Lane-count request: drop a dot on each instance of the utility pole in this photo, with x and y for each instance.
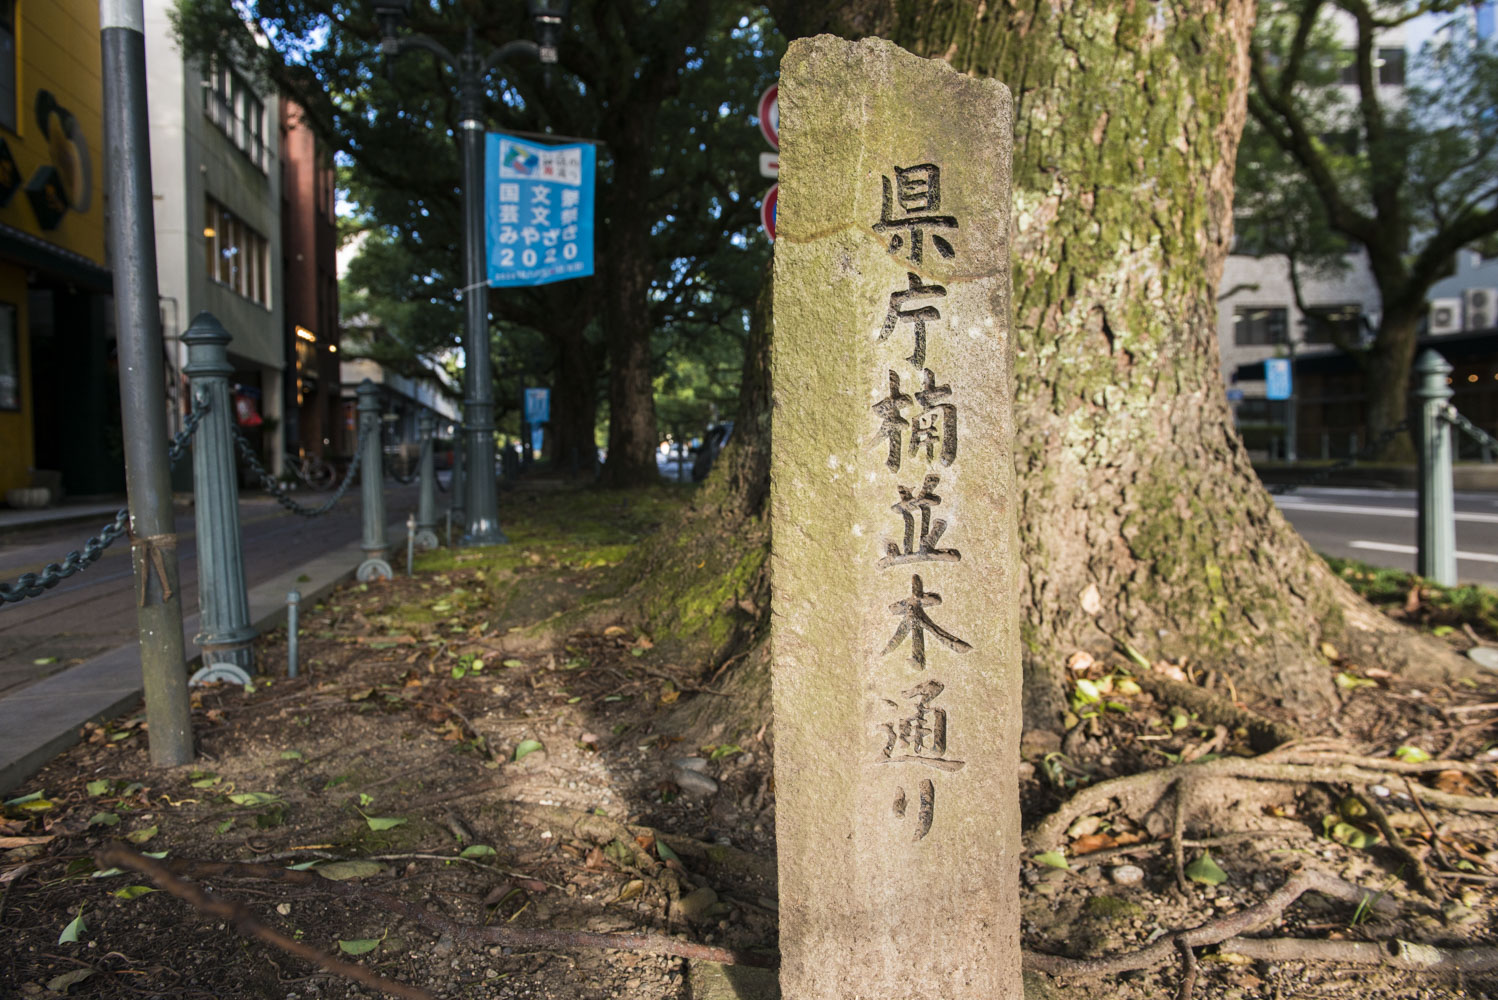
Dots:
(132, 243)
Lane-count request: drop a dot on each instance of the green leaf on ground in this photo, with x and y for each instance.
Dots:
(43, 661)
(1052, 859)
(1351, 682)
(207, 782)
(378, 823)
(726, 750)
(304, 865)
(61, 984)
(527, 747)
(339, 871)
(365, 799)
(358, 946)
(226, 825)
(132, 892)
(75, 927)
(512, 663)
(1412, 755)
(97, 788)
(665, 853)
(1206, 871)
(293, 755)
(478, 851)
(253, 798)
(141, 836)
(104, 819)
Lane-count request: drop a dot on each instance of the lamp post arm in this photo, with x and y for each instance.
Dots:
(405, 43)
(509, 52)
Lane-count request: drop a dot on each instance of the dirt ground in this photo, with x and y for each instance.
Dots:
(489, 780)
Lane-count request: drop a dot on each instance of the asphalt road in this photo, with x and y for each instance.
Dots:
(1378, 527)
(94, 611)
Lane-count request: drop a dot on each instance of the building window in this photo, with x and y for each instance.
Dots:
(10, 359)
(8, 86)
(1391, 67)
(232, 104)
(236, 255)
(1330, 324)
(1259, 325)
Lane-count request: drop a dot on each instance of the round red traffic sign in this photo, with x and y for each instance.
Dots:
(769, 115)
(767, 210)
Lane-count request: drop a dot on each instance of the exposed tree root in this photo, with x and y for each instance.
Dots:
(1419, 873)
(1394, 953)
(164, 874)
(1049, 833)
(1245, 921)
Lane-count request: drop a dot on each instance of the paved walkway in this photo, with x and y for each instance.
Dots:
(42, 715)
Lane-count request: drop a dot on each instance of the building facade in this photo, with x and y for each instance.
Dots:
(215, 151)
(59, 387)
(309, 244)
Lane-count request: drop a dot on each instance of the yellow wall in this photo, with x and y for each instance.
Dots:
(57, 50)
(57, 47)
(17, 455)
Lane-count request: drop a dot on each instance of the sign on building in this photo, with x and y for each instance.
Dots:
(538, 211)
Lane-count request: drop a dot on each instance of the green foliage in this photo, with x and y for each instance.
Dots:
(1333, 159)
(1469, 604)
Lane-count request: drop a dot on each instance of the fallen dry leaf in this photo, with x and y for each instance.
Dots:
(614, 630)
(1455, 782)
(1092, 842)
(1092, 601)
(8, 842)
(1079, 661)
(1330, 652)
(596, 861)
(1170, 670)
(1412, 600)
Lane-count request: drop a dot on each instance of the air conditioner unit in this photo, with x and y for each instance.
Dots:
(1445, 316)
(1481, 308)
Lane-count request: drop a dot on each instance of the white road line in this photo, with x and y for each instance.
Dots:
(1288, 504)
(1410, 550)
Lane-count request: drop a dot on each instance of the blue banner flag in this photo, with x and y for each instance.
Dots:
(538, 211)
(1277, 378)
(537, 406)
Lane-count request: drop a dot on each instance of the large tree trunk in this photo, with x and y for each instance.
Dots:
(1388, 374)
(1142, 521)
(574, 414)
(627, 268)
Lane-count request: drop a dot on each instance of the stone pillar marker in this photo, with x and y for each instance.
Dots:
(895, 559)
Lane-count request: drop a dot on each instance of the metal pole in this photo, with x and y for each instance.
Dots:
(1326, 446)
(1437, 515)
(410, 545)
(371, 487)
(293, 603)
(223, 602)
(1352, 447)
(457, 495)
(132, 246)
(426, 504)
(1292, 408)
(478, 379)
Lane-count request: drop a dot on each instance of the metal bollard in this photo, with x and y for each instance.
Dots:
(449, 527)
(371, 487)
(223, 602)
(411, 544)
(1326, 446)
(1352, 447)
(293, 602)
(457, 496)
(426, 504)
(1437, 515)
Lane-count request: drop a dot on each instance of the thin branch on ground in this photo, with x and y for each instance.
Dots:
(119, 856)
(1394, 953)
(1419, 874)
(1245, 921)
(1188, 971)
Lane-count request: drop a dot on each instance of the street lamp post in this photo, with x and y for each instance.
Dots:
(482, 506)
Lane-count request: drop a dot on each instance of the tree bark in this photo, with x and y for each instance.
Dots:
(1388, 374)
(574, 414)
(627, 268)
(1137, 490)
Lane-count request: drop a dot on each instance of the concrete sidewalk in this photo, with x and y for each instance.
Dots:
(99, 513)
(41, 720)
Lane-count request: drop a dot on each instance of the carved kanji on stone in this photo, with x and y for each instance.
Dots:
(915, 623)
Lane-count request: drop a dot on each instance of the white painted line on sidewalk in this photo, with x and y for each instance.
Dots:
(1288, 504)
(1410, 550)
